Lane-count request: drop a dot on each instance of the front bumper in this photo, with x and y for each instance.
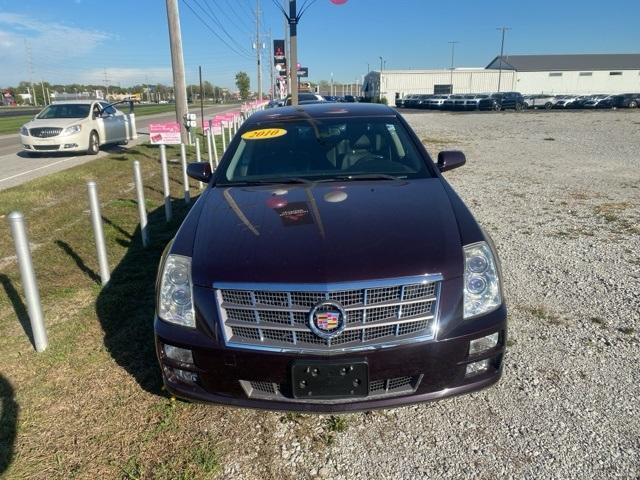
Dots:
(438, 370)
(78, 142)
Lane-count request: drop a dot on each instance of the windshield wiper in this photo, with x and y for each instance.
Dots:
(271, 181)
(366, 176)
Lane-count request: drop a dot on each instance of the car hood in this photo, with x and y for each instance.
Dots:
(53, 122)
(327, 232)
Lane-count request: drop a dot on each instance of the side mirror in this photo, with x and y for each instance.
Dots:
(450, 159)
(199, 171)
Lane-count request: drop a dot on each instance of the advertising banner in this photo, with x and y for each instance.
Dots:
(165, 133)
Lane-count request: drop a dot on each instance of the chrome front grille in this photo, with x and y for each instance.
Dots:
(378, 313)
(45, 132)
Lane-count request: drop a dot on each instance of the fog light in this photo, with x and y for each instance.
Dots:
(185, 376)
(178, 354)
(176, 375)
(483, 344)
(477, 368)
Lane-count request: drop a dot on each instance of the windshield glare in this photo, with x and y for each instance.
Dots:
(325, 149)
(65, 111)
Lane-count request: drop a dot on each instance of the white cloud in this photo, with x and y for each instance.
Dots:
(51, 44)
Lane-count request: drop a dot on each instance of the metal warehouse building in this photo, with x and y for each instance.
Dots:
(553, 74)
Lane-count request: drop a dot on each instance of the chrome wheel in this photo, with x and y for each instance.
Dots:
(94, 144)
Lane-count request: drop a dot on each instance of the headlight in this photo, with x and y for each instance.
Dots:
(24, 131)
(71, 130)
(175, 303)
(481, 281)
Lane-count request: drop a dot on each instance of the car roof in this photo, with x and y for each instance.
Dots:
(82, 102)
(322, 110)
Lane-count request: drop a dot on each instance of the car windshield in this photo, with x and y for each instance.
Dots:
(324, 150)
(66, 110)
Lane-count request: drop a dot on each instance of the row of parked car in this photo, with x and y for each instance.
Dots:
(516, 101)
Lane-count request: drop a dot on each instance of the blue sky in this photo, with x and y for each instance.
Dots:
(77, 40)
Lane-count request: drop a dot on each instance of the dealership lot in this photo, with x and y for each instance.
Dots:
(560, 194)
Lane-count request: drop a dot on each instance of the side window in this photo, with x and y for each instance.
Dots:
(108, 108)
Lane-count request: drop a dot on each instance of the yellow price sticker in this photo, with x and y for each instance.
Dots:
(264, 134)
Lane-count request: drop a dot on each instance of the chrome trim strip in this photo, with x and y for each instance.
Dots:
(332, 351)
(329, 287)
(304, 328)
(299, 309)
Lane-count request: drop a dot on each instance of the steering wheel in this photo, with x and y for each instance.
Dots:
(367, 159)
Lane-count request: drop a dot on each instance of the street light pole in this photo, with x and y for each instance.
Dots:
(380, 80)
(293, 46)
(453, 50)
(258, 50)
(504, 29)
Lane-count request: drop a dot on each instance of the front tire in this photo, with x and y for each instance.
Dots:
(497, 107)
(633, 104)
(94, 143)
(548, 106)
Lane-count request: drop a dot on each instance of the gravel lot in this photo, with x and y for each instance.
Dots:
(560, 195)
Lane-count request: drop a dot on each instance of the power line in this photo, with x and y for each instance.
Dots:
(211, 14)
(242, 54)
(234, 13)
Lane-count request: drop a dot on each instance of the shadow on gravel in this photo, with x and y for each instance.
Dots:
(19, 308)
(8, 423)
(126, 305)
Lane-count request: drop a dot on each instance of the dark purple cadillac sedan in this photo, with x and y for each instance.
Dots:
(328, 266)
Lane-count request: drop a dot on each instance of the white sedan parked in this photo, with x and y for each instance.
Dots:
(76, 126)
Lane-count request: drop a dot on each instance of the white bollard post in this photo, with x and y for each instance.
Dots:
(224, 144)
(142, 208)
(165, 183)
(132, 126)
(185, 178)
(210, 146)
(98, 233)
(215, 152)
(189, 137)
(29, 284)
(199, 159)
(198, 152)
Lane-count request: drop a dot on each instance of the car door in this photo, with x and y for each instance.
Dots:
(98, 121)
(115, 124)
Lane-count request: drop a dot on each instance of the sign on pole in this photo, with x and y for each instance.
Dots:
(165, 133)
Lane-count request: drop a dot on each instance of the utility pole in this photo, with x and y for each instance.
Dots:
(44, 95)
(201, 99)
(106, 83)
(270, 63)
(453, 49)
(177, 64)
(504, 29)
(27, 46)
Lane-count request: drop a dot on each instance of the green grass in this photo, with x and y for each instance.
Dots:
(12, 124)
(95, 396)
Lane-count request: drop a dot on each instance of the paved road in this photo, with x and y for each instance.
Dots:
(17, 168)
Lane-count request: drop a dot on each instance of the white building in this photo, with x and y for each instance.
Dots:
(553, 74)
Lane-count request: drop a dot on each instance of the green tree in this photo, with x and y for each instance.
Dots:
(243, 83)
(207, 89)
